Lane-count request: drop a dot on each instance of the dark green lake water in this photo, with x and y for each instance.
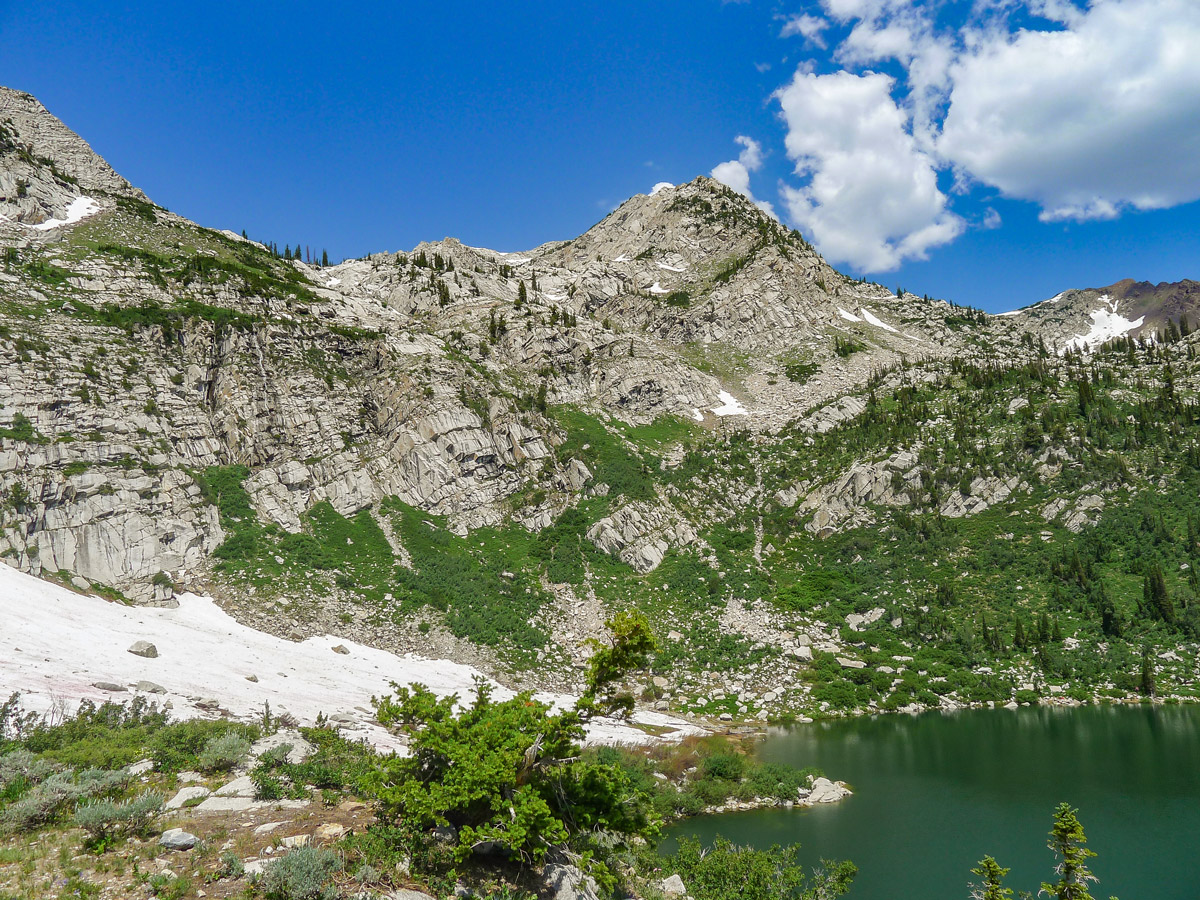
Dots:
(935, 793)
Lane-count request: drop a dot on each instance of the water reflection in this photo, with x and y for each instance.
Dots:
(936, 792)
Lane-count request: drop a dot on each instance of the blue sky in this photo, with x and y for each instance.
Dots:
(992, 152)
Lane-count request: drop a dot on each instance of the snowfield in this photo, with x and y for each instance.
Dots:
(872, 319)
(56, 645)
(730, 405)
(848, 316)
(1106, 325)
(80, 209)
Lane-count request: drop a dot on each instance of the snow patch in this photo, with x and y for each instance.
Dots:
(848, 316)
(876, 321)
(671, 268)
(697, 415)
(622, 258)
(657, 288)
(80, 209)
(516, 260)
(730, 405)
(1106, 325)
(1012, 312)
(333, 282)
(56, 644)
(661, 186)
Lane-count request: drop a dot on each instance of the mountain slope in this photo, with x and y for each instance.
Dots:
(819, 490)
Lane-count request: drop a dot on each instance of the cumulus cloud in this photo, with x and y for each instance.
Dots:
(1089, 108)
(1087, 120)
(735, 173)
(871, 197)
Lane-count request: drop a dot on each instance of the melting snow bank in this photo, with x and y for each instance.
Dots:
(80, 209)
(1106, 325)
(876, 321)
(657, 288)
(730, 405)
(848, 316)
(57, 645)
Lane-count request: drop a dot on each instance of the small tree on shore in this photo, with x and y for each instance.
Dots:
(509, 775)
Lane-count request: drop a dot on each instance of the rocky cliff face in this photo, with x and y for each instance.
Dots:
(179, 407)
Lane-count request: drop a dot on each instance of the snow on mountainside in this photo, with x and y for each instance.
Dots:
(59, 646)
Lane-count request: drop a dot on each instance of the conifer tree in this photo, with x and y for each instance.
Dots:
(324, 258)
(1067, 841)
(1146, 683)
(991, 887)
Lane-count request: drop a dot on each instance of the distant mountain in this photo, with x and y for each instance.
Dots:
(1091, 316)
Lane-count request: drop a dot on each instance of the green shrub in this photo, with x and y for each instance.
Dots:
(104, 819)
(726, 766)
(725, 871)
(48, 801)
(231, 865)
(179, 746)
(303, 874)
(223, 752)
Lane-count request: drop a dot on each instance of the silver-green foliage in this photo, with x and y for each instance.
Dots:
(23, 765)
(57, 793)
(303, 874)
(108, 817)
(223, 752)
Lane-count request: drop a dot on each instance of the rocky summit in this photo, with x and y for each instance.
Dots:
(829, 496)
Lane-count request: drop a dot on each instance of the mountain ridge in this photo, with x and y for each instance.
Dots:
(482, 455)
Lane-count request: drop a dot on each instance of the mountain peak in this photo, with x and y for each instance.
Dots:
(48, 173)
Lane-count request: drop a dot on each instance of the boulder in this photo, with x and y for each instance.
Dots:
(673, 886)
(149, 687)
(178, 839)
(184, 795)
(144, 648)
(563, 881)
(826, 791)
(329, 833)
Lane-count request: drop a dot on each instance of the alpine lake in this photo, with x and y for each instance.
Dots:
(935, 793)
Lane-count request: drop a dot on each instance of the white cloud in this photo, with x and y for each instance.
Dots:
(808, 27)
(1089, 108)
(871, 197)
(735, 173)
(1087, 120)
